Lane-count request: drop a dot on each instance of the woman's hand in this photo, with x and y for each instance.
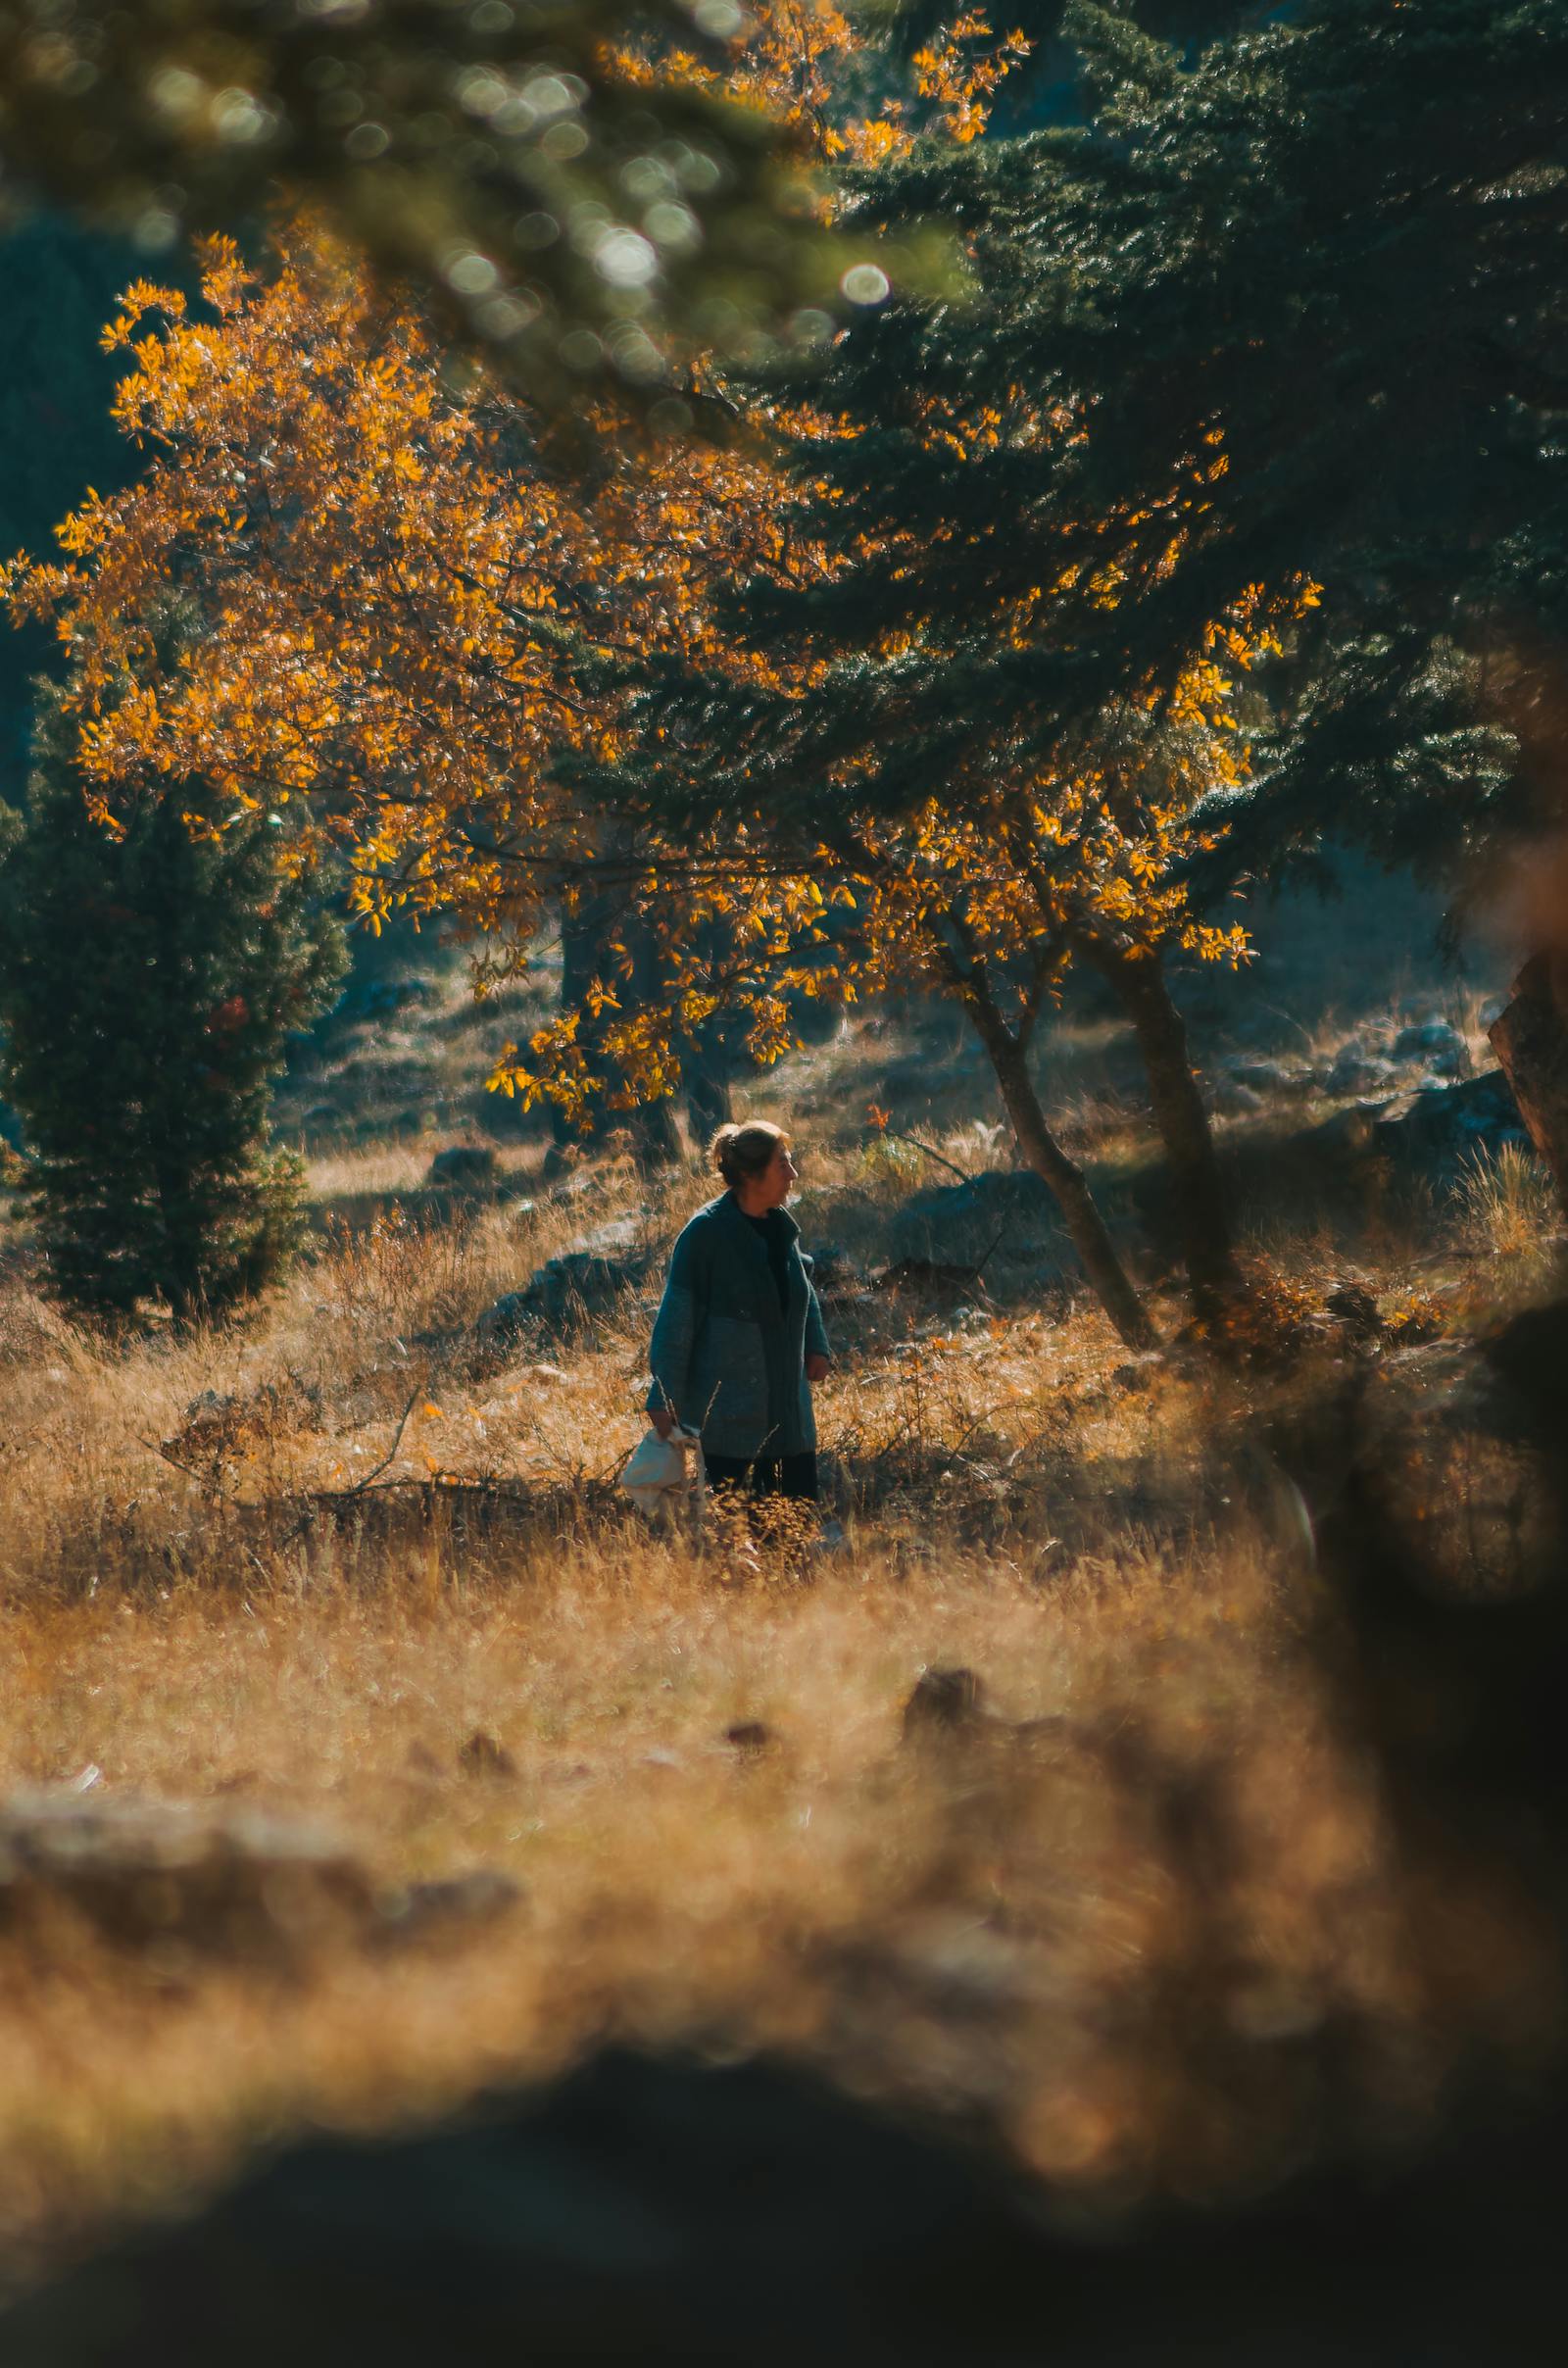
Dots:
(664, 1422)
(818, 1367)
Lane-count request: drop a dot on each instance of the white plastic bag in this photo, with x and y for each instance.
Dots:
(659, 1469)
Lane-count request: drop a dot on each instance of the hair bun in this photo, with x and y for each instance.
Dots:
(746, 1150)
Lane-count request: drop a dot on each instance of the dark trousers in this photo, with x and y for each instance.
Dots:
(767, 1476)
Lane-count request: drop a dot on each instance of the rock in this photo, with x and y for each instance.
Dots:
(1530, 1039)
(1436, 1131)
(449, 1909)
(1437, 1043)
(580, 1284)
(1345, 1136)
(463, 1167)
(943, 1701)
(482, 1756)
(834, 1273)
(615, 1238)
(1441, 1129)
(1353, 1071)
(561, 1297)
(1233, 1100)
(750, 2214)
(506, 1323)
(189, 1879)
(1007, 1209)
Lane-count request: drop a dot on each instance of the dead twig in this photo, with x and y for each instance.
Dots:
(391, 1456)
(940, 1158)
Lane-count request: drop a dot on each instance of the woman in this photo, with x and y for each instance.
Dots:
(738, 1340)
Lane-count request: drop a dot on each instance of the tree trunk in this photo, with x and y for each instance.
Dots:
(1085, 1227)
(705, 1078)
(1530, 1038)
(1203, 1214)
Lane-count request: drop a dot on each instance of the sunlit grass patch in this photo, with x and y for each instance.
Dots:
(1508, 1206)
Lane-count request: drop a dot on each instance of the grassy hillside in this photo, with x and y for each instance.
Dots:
(355, 1567)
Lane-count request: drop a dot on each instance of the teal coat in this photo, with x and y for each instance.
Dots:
(726, 1360)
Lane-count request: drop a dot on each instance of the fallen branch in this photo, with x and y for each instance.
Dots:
(940, 1158)
(391, 1456)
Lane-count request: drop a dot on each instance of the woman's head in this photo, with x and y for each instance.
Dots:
(754, 1160)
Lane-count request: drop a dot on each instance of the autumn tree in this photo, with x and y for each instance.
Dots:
(988, 894)
(411, 608)
(437, 645)
(149, 975)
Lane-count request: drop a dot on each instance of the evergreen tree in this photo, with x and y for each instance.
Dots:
(1298, 298)
(1281, 307)
(149, 978)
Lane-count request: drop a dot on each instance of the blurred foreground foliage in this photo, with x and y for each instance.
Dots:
(510, 159)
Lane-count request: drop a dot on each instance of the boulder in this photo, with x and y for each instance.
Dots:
(1530, 1039)
(617, 1237)
(178, 1883)
(746, 2212)
(1441, 1130)
(1437, 1131)
(507, 1323)
(1437, 1044)
(834, 1273)
(1355, 1071)
(561, 1298)
(463, 1167)
(187, 1878)
(1233, 1100)
(1012, 1208)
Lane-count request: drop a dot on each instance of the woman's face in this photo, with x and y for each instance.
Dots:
(774, 1184)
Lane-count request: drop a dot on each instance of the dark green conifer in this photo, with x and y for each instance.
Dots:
(149, 981)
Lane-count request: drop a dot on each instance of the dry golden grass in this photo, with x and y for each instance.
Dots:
(994, 1927)
(1508, 1207)
(1129, 1924)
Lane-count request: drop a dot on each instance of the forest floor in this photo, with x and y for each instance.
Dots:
(336, 1571)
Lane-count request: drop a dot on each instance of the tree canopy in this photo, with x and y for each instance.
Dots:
(984, 626)
(569, 208)
(1298, 295)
